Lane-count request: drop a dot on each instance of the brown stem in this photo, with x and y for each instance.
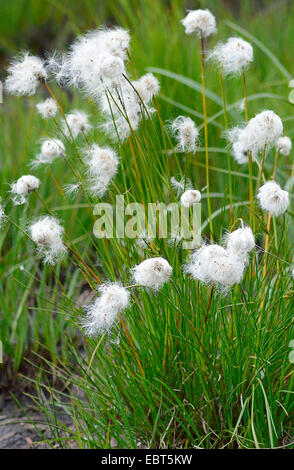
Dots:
(209, 303)
(54, 97)
(83, 263)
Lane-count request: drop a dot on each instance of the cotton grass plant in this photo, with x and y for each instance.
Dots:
(179, 349)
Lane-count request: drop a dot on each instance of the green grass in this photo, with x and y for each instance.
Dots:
(226, 383)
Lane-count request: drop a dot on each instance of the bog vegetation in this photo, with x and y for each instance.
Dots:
(168, 347)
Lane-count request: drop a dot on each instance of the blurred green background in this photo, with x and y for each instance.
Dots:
(158, 40)
(42, 24)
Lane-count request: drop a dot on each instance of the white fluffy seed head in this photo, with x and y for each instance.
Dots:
(45, 231)
(240, 241)
(201, 22)
(284, 145)
(102, 160)
(96, 65)
(54, 64)
(264, 129)
(50, 150)
(111, 68)
(96, 60)
(190, 197)
(72, 189)
(102, 313)
(78, 122)
(198, 265)
(25, 74)
(240, 152)
(116, 41)
(152, 272)
(47, 234)
(233, 57)
(186, 133)
(215, 265)
(24, 185)
(180, 186)
(102, 164)
(81, 65)
(47, 108)
(226, 270)
(268, 125)
(147, 86)
(273, 199)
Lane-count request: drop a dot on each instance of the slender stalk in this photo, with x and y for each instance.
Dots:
(83, 263)
(163, 134)
(245, 96)
(221, 82)
(18, 227)
(252, 220)
(268, 227)
(209, 304)
(206, 135)
(250, 162)
(132, 345)
(266, 246)
(292, 174)
(261, 168)
(134, 159)
(278, 260)
(54, 98)
(275, 165)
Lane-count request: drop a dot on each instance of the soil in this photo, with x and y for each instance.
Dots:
(16, 432)
(16, 428)
(18, 411)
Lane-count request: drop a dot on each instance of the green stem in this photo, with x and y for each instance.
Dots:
(251, 218)
(18, 227)
(276, 164)
(206, 135)
(221, 82)
(245, 96)
(261, 169)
